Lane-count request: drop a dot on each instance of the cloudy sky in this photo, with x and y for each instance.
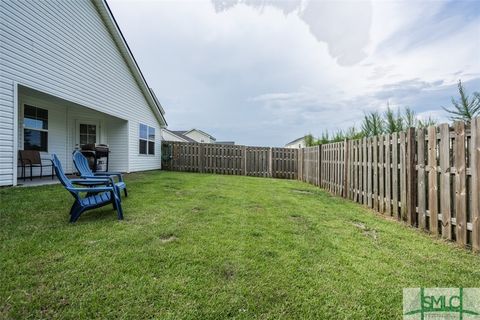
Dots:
(266, 72)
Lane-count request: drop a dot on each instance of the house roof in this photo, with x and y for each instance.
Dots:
(116, 33)
(296, 140)
(180, 134)
(202, 132)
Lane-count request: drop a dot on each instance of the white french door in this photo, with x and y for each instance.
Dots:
(87, 132)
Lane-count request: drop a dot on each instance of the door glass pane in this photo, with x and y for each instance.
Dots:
(92, 129)
(88, 134)
(83, 139)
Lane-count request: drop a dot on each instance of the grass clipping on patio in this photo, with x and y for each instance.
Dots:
(196, 246)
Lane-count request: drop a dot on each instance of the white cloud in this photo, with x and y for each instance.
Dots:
(264, 72)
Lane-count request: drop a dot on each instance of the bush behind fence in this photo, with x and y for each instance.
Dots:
(428, 178)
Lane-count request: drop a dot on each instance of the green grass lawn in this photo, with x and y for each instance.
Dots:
(196, 246)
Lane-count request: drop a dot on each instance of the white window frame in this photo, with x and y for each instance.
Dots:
(36, 129)
(146, 140)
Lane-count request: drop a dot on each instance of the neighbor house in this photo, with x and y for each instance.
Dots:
(68, 77)
(297, 143)
(193, 135)
(169, 135)
(200, 136)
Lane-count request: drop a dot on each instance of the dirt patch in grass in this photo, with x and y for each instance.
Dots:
(372, 233)
(228, 272)
(166, 238)
(196, 209)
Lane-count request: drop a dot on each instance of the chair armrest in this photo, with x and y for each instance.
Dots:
(91, 182)
(107, 174)
(97, 189)
(99, 177)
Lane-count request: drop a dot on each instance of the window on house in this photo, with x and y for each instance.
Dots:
(35, 128)
(147, 140)
(88, 134)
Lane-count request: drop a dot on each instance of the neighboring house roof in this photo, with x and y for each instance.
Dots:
(224, 142)
(202, 132)
(296, 140)
(116, 33)
(180, 134)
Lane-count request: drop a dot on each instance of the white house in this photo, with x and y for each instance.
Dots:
(193, 135)
(199, 136)
(67, 77)
(297, 143)
(169, 135)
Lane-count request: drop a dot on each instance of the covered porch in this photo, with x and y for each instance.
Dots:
(51, 125)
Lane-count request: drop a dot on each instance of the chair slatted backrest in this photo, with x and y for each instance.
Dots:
(81, 163)
(62, 177)
(33, 156)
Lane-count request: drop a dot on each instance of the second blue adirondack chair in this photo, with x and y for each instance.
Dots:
(100, 193)
(81, 163)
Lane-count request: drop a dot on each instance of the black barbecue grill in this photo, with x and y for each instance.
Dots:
(94, 152)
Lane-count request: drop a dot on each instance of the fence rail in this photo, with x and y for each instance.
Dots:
(428, 178)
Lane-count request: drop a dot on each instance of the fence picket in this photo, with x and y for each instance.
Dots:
(445, 169)
(421, 187)
(432, 179)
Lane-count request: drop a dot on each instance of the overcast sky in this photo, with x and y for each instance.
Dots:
(266, 72)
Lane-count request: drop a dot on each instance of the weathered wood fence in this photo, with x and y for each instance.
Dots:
(428, 178)
(231, 159)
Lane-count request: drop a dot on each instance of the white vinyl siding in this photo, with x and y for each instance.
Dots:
(6, 130)
(63, 48)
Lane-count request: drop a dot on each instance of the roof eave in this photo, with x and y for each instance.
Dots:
(116, 33)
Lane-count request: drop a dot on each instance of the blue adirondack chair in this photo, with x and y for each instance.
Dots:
(100, 193)
(81, 163)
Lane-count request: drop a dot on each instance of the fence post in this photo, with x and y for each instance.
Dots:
(345, 167)
(319, 165)
(201, 158)
(270, 162)
(475, 170)
(411, 178)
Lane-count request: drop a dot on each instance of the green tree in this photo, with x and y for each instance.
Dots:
(426, 123)
(372, 124)
(410, 118)
(309, 140)
(325, 137)
(465, 108)
(338, 136)
(393, 122)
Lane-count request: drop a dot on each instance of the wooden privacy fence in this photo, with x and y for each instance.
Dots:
(230, 159)
(428, 178)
